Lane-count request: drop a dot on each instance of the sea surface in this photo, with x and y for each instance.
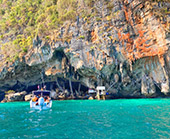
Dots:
(76, 119)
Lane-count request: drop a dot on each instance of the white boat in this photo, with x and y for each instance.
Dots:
(41, 104)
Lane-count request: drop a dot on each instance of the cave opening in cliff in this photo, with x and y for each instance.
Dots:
(60, 84)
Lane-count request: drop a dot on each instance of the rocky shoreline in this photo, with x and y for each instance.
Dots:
(24, 96)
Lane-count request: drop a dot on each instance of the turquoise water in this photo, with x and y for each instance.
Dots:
(75, 119)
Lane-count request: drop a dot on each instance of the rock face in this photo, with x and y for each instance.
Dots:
(15, 97)
(147, 87)
(127, 51)
(54, 94)
(28, 97)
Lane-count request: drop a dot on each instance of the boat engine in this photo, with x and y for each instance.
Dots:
(41, 101)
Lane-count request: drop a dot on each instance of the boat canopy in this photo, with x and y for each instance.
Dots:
(43, 92)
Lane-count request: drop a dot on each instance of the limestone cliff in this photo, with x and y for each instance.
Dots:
(121, 44)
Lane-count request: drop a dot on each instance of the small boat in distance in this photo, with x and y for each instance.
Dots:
(41, 100)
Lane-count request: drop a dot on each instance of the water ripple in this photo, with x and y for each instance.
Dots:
(141, 118)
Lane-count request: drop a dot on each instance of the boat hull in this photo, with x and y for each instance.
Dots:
(39, 107)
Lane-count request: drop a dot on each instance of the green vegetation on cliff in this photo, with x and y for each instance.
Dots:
(22, 20)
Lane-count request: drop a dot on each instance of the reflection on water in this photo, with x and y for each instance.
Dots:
(141, 118)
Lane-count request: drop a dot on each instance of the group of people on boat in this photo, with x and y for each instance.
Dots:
(41, 99)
